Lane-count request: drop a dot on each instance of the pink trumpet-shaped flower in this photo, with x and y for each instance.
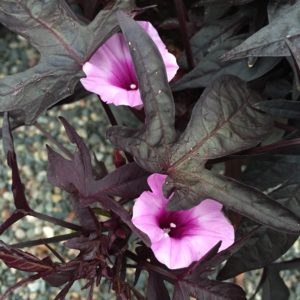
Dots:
(110, 72)
(180, 237)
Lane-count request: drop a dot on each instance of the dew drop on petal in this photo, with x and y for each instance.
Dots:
(133, 86)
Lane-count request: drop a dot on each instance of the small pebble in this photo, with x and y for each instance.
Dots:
(20, 234)
(48, 231)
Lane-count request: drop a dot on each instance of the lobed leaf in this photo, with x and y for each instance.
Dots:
(64, 44)
(76, 177)
(23, 261)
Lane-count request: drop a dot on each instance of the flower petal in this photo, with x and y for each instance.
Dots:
(168, 58)
(110, 71)
(206, 207)
(181, 237)
(174, 253)
(156, 182)
(149, 226)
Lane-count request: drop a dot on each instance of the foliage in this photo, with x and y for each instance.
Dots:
(210, 131)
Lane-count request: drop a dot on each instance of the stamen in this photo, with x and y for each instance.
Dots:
(133, 86)
(166, 231)
(172, 225)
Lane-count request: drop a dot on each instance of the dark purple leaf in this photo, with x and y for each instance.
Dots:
(17, 185)
(279, 176)
(211, 36)
(16, 216)
(64, 44)
(62, 294)
(128, 181)
(274, 287)
(24, 261)
(76, 177)
(85, 215)
(261, 249)
(76, 174)
(58, 278)
(156, 289)
(208, 290)
(90, 248)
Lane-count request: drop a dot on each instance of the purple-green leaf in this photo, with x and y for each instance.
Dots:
(271, 39)
(223, 121)
(150, 143)
(64, 43)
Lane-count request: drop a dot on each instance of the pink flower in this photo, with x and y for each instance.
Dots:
(180, 237)
(110, 72)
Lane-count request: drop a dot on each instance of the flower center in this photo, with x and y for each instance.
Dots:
(169, 229)
(133, 86)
